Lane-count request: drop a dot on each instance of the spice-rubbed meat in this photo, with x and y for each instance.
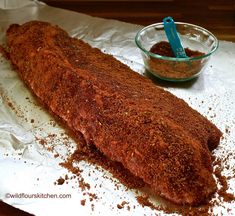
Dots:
(154, 134)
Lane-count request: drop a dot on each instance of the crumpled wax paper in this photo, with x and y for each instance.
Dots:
(27, 166)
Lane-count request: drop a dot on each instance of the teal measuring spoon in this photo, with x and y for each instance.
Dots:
(173, 37)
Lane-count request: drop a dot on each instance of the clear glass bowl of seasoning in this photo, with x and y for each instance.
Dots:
(199, 45)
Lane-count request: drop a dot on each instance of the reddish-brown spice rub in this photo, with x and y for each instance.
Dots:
(174, 69)
(154, 134)
(163, 48)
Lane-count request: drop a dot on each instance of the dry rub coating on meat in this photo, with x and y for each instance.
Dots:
(154, 134)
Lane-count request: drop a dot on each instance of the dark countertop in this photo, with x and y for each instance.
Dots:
(216, 16)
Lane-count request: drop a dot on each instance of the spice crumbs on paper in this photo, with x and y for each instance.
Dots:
(83, 202)
(60, 181)
(122, 205)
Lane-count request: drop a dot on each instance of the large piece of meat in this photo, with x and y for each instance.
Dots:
(154, 134)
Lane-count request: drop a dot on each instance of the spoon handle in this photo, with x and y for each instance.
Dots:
(173, 37)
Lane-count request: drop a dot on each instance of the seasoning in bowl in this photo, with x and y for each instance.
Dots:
(159, 59)
(163, 48)
(179, 69)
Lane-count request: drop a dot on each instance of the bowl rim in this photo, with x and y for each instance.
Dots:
(174, 58)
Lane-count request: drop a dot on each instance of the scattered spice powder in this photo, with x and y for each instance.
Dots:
(119, 206)
(227, 197)
(83, 185)
(83, 202)
(42, 141)
(56, 155)
(122, 205)
(92, 196)
(60, 181)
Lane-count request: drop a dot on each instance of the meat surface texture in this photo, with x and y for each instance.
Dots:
(154, 134)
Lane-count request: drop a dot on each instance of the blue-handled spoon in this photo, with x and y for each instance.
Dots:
(173, 38)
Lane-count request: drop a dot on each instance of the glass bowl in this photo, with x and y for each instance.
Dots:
(171, 68)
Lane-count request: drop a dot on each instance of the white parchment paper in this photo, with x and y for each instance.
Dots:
(28, 167)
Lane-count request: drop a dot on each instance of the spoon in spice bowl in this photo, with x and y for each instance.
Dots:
(173, 38)
(182, 64)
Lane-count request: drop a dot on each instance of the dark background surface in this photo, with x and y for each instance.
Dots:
(218, 16)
